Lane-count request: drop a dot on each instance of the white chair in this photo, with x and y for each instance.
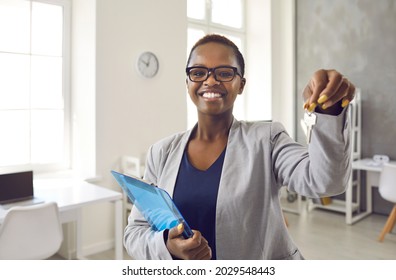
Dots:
(387, 189)
(31, 232)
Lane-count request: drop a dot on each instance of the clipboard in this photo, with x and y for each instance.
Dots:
(154, 203)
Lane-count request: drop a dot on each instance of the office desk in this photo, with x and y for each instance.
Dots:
(372, 179)
(71, 196)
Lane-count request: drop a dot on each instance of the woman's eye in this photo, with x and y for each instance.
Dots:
(198, 73)
(225, 74)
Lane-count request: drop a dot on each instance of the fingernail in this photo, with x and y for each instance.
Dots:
(306, 105)
(344, 103)
(322, 99)
(180, 227)
(324, 106)
(312, 107)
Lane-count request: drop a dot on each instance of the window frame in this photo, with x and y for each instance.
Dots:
(66, 92)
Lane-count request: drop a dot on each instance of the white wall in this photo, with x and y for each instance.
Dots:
(283, 63)
(117, 112)
(133, 112)
(83, 67)
(270, 67)
(83, 98)
(258, 60)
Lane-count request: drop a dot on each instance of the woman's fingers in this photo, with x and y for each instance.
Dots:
(326, 88)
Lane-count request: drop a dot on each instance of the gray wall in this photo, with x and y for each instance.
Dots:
(358, 38)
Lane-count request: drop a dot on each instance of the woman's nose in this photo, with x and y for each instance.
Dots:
(211, 80)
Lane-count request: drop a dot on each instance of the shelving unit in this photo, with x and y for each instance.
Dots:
(349, 206)
(336, 205)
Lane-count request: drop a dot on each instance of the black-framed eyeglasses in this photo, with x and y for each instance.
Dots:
(221, 73)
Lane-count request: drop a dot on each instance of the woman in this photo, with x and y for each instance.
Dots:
(225, 175)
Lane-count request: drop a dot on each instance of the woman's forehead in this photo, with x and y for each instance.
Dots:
(213, 52)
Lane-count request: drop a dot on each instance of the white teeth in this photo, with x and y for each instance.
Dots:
(211, 95)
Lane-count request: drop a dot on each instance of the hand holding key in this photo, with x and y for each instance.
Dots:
(328, 92)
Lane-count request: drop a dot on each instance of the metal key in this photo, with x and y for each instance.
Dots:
(310, 121)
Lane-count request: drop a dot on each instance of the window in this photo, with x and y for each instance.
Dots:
(34, 95)
(226, 17)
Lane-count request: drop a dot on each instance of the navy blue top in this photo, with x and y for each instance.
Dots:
(195, 195)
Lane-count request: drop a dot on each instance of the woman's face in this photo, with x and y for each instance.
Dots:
(212, 97)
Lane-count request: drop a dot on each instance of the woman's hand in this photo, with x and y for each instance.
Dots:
(328, 92)
(194, 248)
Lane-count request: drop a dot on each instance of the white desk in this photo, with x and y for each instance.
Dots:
(71, 196)
(372, 180)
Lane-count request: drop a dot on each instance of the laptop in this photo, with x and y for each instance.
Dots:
(154, 203)
(16, 189)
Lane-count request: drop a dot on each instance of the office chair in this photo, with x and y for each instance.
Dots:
(387, 190)
(31, 232)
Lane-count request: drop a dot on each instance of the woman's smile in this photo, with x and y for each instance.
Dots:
(212, 95)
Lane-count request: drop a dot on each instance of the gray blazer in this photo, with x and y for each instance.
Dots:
(260, 159)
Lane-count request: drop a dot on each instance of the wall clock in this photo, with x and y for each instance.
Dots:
(147, 64)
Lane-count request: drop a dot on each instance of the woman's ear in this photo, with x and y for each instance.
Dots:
(242, 85)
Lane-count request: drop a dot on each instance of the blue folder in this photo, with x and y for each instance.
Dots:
(154, 203)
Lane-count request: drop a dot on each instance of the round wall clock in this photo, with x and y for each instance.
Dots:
(147, 64)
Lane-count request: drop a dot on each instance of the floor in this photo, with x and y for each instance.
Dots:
(323, 235)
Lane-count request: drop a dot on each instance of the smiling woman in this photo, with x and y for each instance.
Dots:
(225, 175)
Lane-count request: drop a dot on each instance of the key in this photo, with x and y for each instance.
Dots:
(310, 121)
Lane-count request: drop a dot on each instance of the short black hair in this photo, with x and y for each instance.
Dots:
(216, 38)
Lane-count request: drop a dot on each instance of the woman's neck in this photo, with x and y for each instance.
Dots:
(211, 128)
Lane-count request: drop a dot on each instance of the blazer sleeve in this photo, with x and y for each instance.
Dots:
(322, 169)
(140, 241)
